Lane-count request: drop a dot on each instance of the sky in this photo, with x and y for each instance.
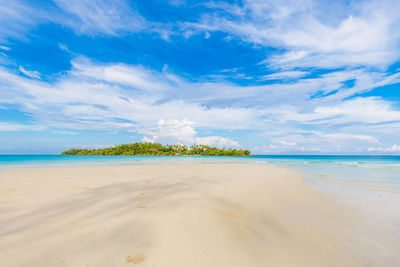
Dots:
(275, 77)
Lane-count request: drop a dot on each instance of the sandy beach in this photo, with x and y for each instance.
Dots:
(205, 214)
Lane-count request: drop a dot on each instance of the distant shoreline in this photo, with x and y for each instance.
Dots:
(157, 149)
(164, 155)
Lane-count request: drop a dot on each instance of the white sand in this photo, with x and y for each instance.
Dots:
(172, 215)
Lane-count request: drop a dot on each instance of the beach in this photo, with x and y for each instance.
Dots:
(180, 214)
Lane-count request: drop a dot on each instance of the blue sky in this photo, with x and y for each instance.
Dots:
(276, 77)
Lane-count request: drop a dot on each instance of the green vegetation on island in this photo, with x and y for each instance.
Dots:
(158, 149)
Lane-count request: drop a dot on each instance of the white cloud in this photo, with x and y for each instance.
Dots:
(217, 141)
(16, 19)
(29, 73)
(148, 139)
(90, 17)
(285, 143)
(346, 136)
(137, 76)
(171, 131)
(285, 75)
(84, 98)
(164, 107)
(355, 34)
(183, 131)
(11, 127)
(394, 148)
(315, 141)
(107, 17)
(368, 110)
(64, 132)
(357, 111)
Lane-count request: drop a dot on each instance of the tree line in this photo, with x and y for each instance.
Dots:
(159, 149)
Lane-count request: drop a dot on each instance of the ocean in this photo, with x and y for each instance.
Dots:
(371, 173)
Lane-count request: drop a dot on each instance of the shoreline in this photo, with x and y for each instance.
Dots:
(181, 214)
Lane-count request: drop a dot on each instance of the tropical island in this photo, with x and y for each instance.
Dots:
(145, 148)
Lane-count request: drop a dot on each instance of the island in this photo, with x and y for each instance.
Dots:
(146, 148)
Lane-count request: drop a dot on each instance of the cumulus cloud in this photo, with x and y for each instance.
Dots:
(183, 131)
(171, 131)
(217, 141)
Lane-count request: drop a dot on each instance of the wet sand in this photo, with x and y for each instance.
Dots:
(209, 214)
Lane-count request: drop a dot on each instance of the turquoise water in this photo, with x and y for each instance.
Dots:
(374, 173)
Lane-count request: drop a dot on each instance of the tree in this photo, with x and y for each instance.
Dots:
(159, 149)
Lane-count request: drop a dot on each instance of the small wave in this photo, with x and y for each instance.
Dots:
(350, 163)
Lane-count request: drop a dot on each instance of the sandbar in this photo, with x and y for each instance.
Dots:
(182, 214)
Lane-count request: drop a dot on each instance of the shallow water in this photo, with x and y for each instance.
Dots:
(372, 173)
